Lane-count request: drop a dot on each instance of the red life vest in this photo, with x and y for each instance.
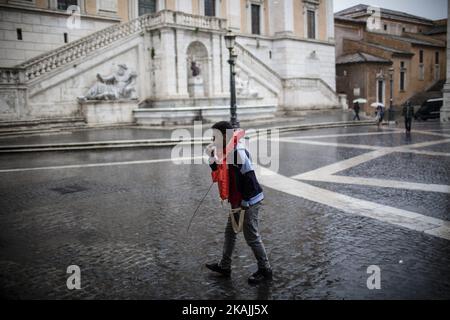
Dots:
(221, 175)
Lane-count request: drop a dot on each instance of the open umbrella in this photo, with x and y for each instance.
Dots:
(360, 101)
(377, 104)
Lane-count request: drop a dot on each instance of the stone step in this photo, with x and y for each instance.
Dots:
(36, 122)
(187, 115)
(200, 102)
(35, 126)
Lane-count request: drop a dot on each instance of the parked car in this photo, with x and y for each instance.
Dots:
(431, 109)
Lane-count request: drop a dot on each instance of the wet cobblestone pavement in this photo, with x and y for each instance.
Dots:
(406, 167)
(125, 226)
(432, 204)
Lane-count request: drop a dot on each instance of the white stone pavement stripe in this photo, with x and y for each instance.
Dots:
(383, 183)
(338, 135)
(343, 165)
(431, 133)
(360, 146)
(106, 164)
(331, 144)
(411, 220)
(105, 142)
(352, 162)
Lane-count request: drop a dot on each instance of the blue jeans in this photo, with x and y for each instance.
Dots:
(251, 235)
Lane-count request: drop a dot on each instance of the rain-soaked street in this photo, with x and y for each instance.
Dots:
(342, 200)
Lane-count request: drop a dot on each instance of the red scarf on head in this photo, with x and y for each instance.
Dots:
(221, 175)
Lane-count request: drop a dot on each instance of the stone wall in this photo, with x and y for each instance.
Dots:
(41, 32)
(295, 58)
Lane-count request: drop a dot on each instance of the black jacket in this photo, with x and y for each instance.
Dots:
(246, 183)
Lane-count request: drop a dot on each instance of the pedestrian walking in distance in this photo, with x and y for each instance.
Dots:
(232, 169)
(356, 108)
(380, 115)
(408, 112)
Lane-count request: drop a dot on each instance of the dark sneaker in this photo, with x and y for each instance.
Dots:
(216, 268)
(260, 276)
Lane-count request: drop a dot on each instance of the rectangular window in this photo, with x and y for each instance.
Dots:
(385, 27)
(437, 67)
(19, 34)
(421, 72)
(65, 4)
(66, 37)
(421, 66)
(210, 8)
(256, 19)
(147, 6)
(437, 72)
(311, 24)
(380, 91)
(402, 81)
(402, 76)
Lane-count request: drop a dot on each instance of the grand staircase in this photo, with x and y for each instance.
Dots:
(24, 89)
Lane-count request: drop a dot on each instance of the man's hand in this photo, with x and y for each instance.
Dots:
(211, 152)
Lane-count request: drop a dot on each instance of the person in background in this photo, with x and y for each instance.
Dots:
(356, 108)
(408, 113)
(380, 115)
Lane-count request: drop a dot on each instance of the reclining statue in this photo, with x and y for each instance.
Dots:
(120, 85)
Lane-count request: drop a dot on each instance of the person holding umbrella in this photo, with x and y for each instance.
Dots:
(380, 112)
(357, 108)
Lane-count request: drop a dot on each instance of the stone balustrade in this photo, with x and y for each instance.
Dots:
(195, 21)
(310, 84)
(11, 76)
(257, 65)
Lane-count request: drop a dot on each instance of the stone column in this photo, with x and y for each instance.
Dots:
(445, 111)
(145, 67)
(215, 54)
(330, 20)
(182, 68)
(167, 75)
(281, 16)
(234, 15)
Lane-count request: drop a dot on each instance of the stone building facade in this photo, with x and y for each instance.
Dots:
(411, 45)
(285, 64)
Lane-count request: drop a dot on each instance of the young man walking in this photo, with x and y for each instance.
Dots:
(233, 171)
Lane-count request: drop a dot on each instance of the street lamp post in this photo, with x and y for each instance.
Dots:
(230, 39)
(391, 103)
